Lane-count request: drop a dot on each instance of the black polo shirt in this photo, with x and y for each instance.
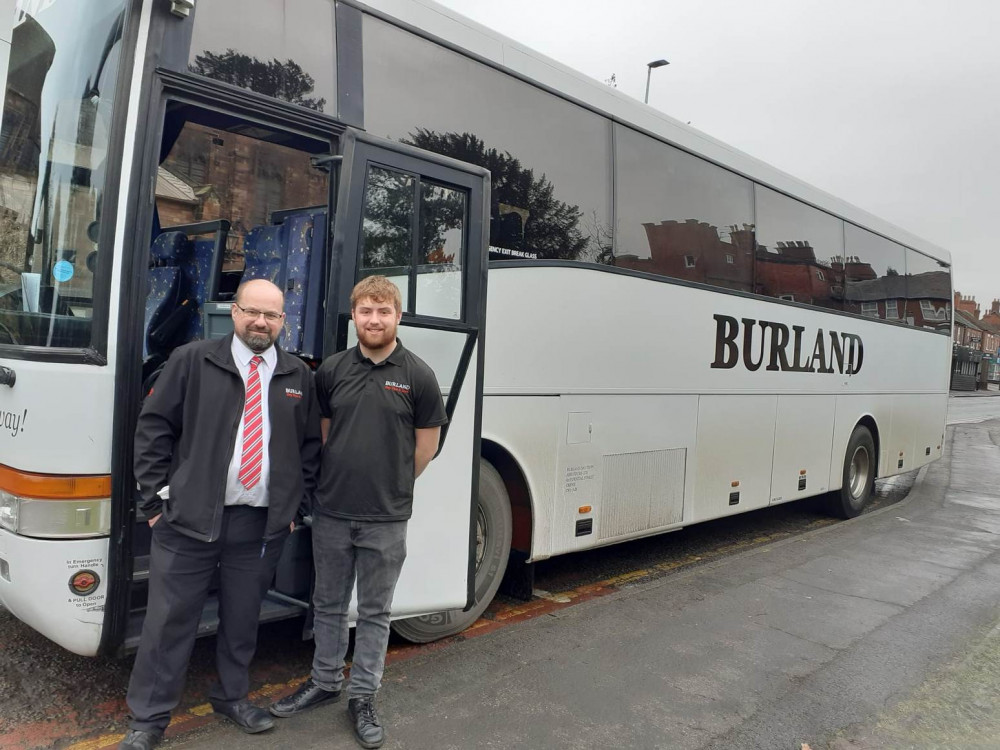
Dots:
(367, 469)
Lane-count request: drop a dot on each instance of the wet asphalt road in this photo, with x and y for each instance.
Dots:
(44, 689)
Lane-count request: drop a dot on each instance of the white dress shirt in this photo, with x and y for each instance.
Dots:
(236, 493)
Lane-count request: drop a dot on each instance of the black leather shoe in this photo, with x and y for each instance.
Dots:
(367, 726)
(136, 739)
(246, 716)
(309, 695)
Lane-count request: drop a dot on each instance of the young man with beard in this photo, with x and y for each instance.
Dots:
(226, 452)
(382, 416)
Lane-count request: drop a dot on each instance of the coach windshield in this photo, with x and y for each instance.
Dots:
(53, 146)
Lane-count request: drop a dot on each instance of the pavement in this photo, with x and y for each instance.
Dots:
(880, 632)
(991, 391)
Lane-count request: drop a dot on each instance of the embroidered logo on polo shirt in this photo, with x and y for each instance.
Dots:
(293, 393)
(392, 385)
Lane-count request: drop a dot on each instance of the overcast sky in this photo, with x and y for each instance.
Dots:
(892, 105)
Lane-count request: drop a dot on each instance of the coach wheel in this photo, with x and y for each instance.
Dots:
(493, 531)
(859, 475)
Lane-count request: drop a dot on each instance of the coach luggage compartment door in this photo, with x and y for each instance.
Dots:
(420, 219)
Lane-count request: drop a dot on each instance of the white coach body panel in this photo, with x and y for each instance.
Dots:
(631, 359)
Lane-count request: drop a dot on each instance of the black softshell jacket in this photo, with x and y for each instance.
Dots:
(187, 432)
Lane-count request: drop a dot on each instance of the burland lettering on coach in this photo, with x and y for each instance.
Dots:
(784, 350)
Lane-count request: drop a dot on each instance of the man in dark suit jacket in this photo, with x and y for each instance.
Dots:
(226, 455)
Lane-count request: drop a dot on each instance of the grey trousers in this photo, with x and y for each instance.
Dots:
(181, 570)
(373, 553)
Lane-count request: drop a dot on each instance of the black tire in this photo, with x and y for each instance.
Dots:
(860, 463)
(495, 528)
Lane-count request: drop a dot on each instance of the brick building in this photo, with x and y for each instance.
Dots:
(976, 345)
(211, 175)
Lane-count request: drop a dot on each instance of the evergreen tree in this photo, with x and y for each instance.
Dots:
(282, 80)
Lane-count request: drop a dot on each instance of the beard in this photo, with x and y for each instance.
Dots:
(257, 341)
(377, 339)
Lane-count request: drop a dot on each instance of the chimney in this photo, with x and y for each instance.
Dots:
(967, 303)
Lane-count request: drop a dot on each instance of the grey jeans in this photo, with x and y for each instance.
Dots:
(373, 553)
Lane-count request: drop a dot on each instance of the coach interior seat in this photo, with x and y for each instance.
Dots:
(290, 254)
(264, 254)
(198, 270)
(303, 282)
(168, 304)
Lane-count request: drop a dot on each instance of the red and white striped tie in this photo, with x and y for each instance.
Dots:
(253, 429)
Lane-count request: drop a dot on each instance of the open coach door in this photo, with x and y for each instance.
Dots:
(420, 219)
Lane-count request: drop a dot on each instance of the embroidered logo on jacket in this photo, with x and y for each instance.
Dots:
(392, 385)
(293, 393)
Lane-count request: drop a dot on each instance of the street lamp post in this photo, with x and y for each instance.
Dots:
(649, 72)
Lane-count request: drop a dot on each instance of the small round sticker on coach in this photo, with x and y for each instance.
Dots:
(62, 271)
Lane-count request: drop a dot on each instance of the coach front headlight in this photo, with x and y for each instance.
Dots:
(54, 506)
(55, 519)
(8, 511)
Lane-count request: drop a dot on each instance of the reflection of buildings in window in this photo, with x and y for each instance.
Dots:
(20, 125)
(930, 312)
(694, 251)
(69, 205)
(923, 297)
(791, 270)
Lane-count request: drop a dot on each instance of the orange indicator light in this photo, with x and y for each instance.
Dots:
(53, 487)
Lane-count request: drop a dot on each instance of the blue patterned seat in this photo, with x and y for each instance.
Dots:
(264, 255)
(304, 282)
(290, 255)
(313, 309)
(198, 272)
(168, 304)
(297, 247)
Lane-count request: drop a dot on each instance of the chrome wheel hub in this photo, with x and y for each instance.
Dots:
(859, 472)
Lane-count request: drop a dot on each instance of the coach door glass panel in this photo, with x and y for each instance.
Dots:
(387, 227)
(413, 232)
(441, 251)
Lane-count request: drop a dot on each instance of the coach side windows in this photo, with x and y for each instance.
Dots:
(799, 251)
(680, 216)
(928, 293)
(873, 269)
